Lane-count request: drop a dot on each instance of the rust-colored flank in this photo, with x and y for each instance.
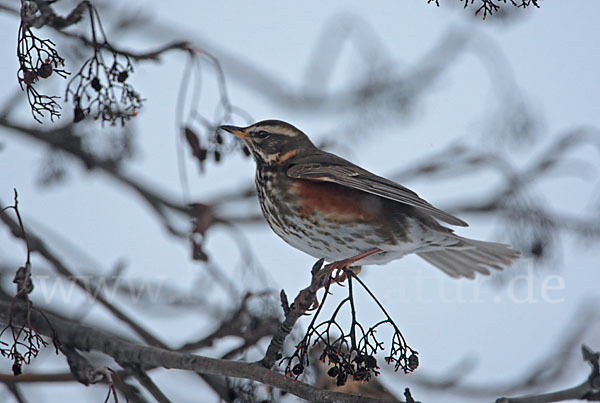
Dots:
(335, 200)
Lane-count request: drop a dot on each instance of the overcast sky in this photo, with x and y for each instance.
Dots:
(550, 53)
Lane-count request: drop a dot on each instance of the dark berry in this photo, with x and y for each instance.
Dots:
(96, 84)
(413, 362)
(78, 114)
(341, 379)
(217, 156)
(17, 369)
(370, 361)
(122, 76)
(45, 70)
(361, 375)
(219, 138)
(359, 358)
(333, 372)
(29, 77)
(202, 153)
(246, 151)
(298, 369)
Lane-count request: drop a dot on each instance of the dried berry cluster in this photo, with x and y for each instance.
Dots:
(201, 131)
(343, 366)
(38, 59)
(213, 145)
(489, 7)
(351, 354)
(100, 90)
(23, 336)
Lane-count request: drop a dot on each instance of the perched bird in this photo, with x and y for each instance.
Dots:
(331, 208)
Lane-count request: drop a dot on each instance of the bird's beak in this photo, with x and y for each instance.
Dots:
(236, 131)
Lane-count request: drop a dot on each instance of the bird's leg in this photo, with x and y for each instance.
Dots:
(326, 276)
(340, 265)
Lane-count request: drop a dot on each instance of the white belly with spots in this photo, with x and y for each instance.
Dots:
(324, 237)
(337, 242)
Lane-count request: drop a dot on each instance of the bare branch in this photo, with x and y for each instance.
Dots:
(86, 339)
(38, 245)
(294, 312)
(588, 390)
(147, 383)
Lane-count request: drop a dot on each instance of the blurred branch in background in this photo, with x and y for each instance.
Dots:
(531, 226)
(379, 92)
(250, 327)
(561, 360)
(366, 96)
(588, 390)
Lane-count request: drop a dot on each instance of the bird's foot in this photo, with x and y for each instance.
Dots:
(340, 266)
(327, 277)
(334, 272)
(341, 274)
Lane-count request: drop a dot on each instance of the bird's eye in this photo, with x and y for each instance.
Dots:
(261, 134)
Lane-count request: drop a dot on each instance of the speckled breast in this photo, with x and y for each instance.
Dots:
(324, 219)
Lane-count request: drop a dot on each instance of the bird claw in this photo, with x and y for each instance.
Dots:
(340, 269)
(326, 277)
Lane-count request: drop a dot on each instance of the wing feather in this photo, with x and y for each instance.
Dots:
(342, 172)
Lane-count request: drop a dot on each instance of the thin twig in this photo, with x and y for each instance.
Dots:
(302, 303)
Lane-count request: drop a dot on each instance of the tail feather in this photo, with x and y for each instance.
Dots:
(470, 256)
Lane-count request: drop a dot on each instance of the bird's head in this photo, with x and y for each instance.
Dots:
(272, 142)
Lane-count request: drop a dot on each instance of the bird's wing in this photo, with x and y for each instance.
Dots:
(338, 170)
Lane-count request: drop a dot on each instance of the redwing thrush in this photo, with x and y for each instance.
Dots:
(330, 208)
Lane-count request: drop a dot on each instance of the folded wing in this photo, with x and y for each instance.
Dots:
(342, 172)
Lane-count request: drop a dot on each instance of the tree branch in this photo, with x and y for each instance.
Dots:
(86, 339)
(303, 302)
(38, 245)
(588, 390)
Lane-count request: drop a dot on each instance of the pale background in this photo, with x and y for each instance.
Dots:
(553, 55)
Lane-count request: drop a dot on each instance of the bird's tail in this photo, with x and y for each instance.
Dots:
(470, 256)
